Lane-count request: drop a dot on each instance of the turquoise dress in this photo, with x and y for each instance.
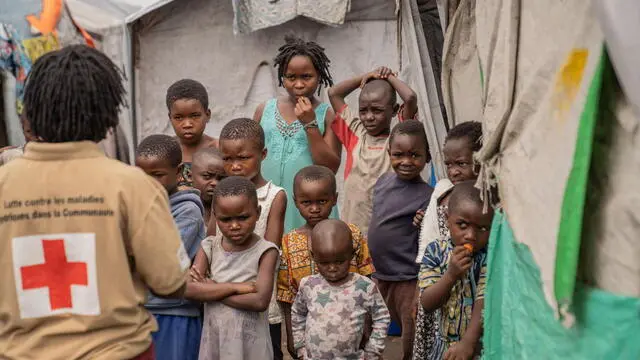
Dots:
(287, 152)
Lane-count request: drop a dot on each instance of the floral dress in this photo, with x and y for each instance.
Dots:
(424, 345)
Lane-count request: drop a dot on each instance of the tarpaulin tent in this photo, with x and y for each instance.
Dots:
(561, 144)
(237, 66)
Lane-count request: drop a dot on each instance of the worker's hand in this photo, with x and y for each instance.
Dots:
(417, 219)
(304, 110)
(459, 263)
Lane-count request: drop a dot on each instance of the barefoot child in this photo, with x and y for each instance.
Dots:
(74, 279)
(453, 275)
(297, 127)
(179, 321)
(393, 240)
(314, 195)
(188, 104)
(238, 289)
(328, 316)
(461, 143)
(365, 135)
(207, 169)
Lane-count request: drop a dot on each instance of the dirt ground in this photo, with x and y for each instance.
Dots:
(393, 349)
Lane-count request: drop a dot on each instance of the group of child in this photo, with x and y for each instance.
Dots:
(257, 213)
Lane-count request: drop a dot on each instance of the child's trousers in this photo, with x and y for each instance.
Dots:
(400, 297)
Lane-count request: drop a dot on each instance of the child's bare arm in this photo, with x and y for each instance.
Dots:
(408, 96)
(212, 291)
(275, 220)
(258, 301)
(257, 115)
(325, 149)
(436, 295)
(340, 91)
(286, 311)
(380, 320)
(200, 264)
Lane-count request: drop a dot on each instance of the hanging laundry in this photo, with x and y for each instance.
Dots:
(252, 15)
(14, 59)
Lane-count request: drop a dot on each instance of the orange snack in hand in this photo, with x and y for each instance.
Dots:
(468, 247)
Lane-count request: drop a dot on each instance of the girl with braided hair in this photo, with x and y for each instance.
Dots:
(298, 126)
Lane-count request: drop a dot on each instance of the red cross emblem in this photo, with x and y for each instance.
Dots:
(56, 273)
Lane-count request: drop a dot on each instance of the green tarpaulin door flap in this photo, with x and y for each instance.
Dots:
(520, 324)
(570, 231)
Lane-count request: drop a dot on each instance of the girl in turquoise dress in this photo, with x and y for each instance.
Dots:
(297, 127)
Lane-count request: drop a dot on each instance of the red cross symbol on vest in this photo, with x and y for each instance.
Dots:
(56, 273)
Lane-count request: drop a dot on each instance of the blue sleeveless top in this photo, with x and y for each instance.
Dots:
(287, 152)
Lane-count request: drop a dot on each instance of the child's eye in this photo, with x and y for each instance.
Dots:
(322, 202)
(484, 229)
(243, 217)
(244, 157)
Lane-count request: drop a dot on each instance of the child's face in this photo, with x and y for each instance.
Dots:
(334, 260)
(189, 119)
(300, 77)
(161, 170)
(236, 217)
(458, 158)
(241, 157)
(408, 155)
(314, 200)
(468, 224)
(207, 171)
(376, 111)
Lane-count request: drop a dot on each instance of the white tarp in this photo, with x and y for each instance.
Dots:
(238, 70)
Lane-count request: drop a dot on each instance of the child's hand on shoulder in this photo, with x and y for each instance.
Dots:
(417, 220)
(459, 351)
(459, 263)
(304, 110)
(246, 288)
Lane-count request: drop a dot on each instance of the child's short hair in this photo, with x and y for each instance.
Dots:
(243, 129)
(73, 94)
(315, 173)
(187, 89)
(296, 46)
(471, 130)
(163, 147)
(464, 192)
(379, 84)
(235, 186)
(412, 128)
(206, 152)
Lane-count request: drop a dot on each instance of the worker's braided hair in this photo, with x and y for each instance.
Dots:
(73, 94)
(296, 46)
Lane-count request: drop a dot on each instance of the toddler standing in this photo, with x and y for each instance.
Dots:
(315, 196)
(328, 316)
(238, 289)
(393, 240)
